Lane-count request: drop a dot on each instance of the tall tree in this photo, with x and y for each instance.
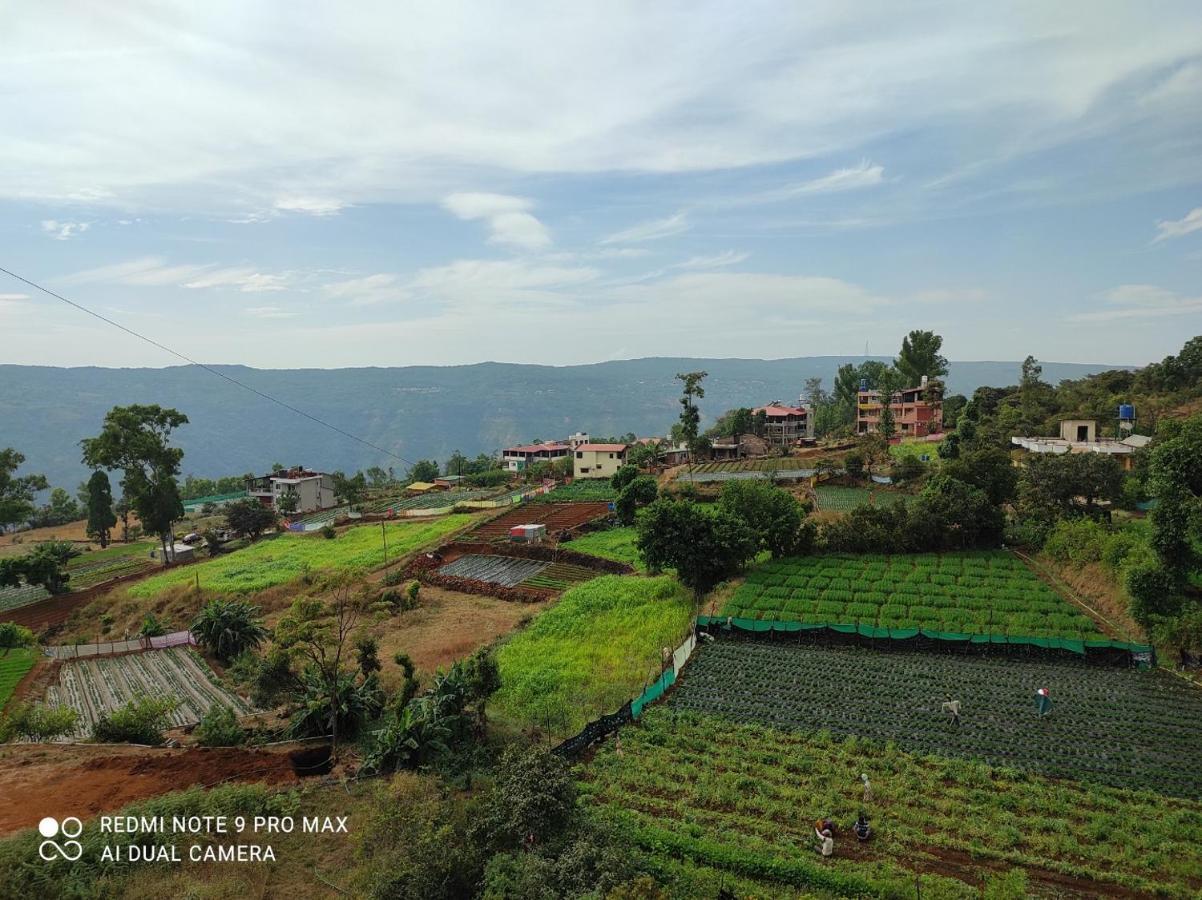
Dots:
(101, 517)
(135, 439)
(920, 356)
(888, 383)
(16, 493)
(690, 415)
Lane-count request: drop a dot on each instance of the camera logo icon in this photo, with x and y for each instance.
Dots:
(69, 828)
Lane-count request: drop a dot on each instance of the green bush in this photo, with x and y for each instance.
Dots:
(37, 722)
(140, 721)
(220, 728)
(328, 532)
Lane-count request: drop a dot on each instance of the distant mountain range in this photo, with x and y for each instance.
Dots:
(415, 412)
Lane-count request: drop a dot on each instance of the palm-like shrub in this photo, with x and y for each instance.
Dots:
(229, 627)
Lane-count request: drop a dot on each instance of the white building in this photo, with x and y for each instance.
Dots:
(598, 460)
(314, 490)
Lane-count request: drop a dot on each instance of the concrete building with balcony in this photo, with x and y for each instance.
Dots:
(785, 426)
(913, 414)
(314, 490)
(519, 459)
(597, 460)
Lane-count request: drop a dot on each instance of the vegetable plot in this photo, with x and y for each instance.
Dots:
(742, 798)
(1118, 727)
(95, 686)
(503, 570)
(988, 592)
(841, 499)
(13, 667)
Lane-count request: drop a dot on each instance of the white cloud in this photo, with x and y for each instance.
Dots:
(496, 285)
(268, 312)
(715, 261)
(314, 206)
(1189, 223)
(379, 288)
(13, 298)
(153, 271)
(855, 178)
(650, 231)
(63, 231)
(508, 218)
(1141, 301)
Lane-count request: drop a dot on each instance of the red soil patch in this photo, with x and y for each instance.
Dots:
(39, 780)
(558, 517)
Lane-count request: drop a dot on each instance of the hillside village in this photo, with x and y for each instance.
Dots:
(773, 654)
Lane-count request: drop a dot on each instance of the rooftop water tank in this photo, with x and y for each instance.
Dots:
(863, 384)
(1126, 412)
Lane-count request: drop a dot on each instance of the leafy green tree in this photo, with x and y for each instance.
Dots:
(37, 722)
(990, 469)
(45, 564)
(705, 548)
(219, 728)
(14, 637)
(623, 476)
(952, 515)
(135, 439)
(378, 477)
(141, 720)
(1070, 484)
(920, 356)
(427, 469)
(690, 415)
(151, 626)
(101, 517)
(350, 489)
(774, 515)
(888, 382)
(637, 493)
(228, 628)
(853, 463)
(532, 802)
(17, 492)
(289, 501)
(61, 509)
(249, 518)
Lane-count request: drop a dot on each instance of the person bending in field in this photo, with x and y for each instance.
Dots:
(952, 708)
(862, 829)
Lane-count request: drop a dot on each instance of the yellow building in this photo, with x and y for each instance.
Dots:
(597, 460)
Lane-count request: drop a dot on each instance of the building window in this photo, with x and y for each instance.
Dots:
(580, 455)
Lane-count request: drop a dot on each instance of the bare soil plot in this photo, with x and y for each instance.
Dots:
(84, 780)
(558, 517)
(447, 626)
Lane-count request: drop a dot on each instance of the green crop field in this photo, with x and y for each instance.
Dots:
(591, 652)
(1114, 726)
(617, 544)
(13, 667)
(277, 560)
(581, 489)
(985, 592)
(842, 499)
(771, 464)
(743, 797)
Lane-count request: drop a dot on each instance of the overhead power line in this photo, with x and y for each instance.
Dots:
(210, 369)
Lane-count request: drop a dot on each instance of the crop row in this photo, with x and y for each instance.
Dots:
(560, 576)
(95, 686)
(13, 666)
(841, 499)
(1114, 726)
(503, 570)
(975, 593)
(580, 489)
(741, 797)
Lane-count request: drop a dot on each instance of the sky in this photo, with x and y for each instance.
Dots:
(444, 183)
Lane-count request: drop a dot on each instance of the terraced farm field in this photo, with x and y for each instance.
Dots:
(617, 544)
(86, 571)
(278, 560)
(842, 499)
(509, 571)
(742, 797)
(13, 667)
(436, 500)
(502, 570)
(985, 592)
(1113, 726)
(772, 464)
(556, 516)
(595, 489)
(96, 686)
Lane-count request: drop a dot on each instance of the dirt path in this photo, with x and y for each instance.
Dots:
(82, 780)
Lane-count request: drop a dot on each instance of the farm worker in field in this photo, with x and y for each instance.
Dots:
(867, 788)
(862, 829)
(952, 708)
(1043, 702)
(824, 830)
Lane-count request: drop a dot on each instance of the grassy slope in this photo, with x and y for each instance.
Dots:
(13, 667)
(744, 797)
(278, 560)
(617, 544)
(591, 652)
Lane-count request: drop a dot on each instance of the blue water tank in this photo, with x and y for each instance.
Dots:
(863, 384)
(1126, 412)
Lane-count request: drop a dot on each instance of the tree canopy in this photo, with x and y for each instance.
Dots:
(920, 356)
(16, 491)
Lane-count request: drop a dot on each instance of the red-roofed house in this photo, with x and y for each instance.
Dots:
(598, 460)
(518, 459)
(784, 425)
